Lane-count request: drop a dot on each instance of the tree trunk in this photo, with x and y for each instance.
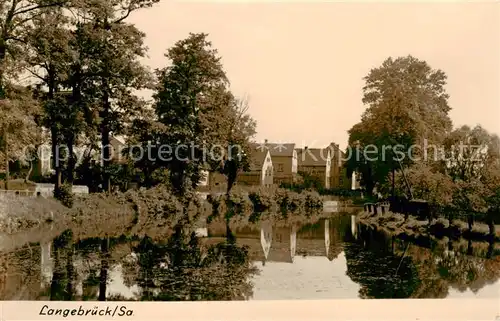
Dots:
(3, 51)
(71, 160)
(77, 104)
(6, 154)
(470, 221)
(105, 152)
(27, 178)
(491, 248)
(469, 248)
(56, 164)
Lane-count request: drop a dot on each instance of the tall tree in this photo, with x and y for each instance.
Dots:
(407, 105)
(469, 152)
(116, 49)
(242, 127)
(18, 119)
(48, 59)
(15, 16)
(184, 104)
(234, 129)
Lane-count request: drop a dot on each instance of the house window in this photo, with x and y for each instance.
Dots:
(280, 168)
(341, 181)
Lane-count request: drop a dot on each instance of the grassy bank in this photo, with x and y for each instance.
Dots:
(18, 185)
(152, 212)
(395, 224)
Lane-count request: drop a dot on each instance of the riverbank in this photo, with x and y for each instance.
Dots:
(152, 212)
(395, 224)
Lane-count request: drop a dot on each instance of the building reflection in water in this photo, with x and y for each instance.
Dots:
(266, 238)
(354, 227)
(283, 243)
(46, 264)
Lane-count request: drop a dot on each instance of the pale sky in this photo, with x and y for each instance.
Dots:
(301, 64)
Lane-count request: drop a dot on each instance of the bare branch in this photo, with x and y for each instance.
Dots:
(35, 74)
(36, 7)
(129, 11)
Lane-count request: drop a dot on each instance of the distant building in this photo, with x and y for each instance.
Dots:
(315, 162)
(355, 181)
(338, 174)
(284, 158)
(45, 164)
(260, 173)
(261, 168)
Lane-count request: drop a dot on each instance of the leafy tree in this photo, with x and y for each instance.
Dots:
(15, 17)
(407, 104)
(17, 120)
(469, 153)
(143, 136)
(51, 59)
(115, 70)
(186, 106)
(235, 138)
(426, 184)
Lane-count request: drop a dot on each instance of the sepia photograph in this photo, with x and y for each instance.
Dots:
(155, 150)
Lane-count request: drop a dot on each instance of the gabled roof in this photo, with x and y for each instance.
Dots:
(335, 150)
(278, 149)
(281, 149)
(116, 141)
(120, 138)
(312, 156)
(257, 157)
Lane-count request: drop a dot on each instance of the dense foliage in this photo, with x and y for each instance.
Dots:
(405, 145)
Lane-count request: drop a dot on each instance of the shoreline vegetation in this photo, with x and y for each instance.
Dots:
(153, 212)
(413, 227)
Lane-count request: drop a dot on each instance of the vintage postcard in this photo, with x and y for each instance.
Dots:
(303, 158)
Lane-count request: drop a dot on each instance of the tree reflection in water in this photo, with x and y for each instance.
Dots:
(380, 273)
(426, 269)
(183, 269)
(61, 288)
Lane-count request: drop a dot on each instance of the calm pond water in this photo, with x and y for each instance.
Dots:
(332, 258)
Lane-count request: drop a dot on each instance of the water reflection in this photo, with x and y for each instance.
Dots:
(330, 258)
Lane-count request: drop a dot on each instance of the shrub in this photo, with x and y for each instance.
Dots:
(238, 204)
(312, 200)
(64, 195)
(216, 201)
(262, 199)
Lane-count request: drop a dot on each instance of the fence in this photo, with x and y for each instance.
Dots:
(45, 190)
